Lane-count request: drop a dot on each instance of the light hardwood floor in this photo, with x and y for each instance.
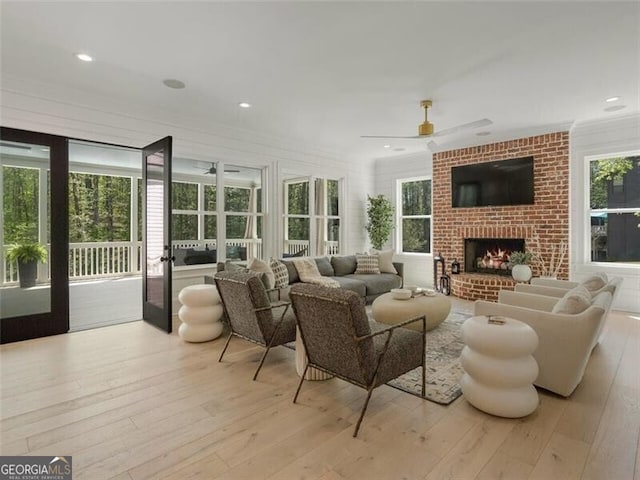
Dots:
(130, 402)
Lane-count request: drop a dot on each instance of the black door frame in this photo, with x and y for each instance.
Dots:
(160, 317)
(56, 321)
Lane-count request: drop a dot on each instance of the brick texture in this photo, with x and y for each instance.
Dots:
(547, 220)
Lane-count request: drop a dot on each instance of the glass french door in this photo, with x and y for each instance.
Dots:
(156, 240)
(34, 300)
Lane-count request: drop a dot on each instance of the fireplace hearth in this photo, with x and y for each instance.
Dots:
(490, 255)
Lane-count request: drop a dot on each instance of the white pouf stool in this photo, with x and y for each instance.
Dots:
(200, 313)
(500, 370)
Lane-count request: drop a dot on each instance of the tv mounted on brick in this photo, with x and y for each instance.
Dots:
(505, 182)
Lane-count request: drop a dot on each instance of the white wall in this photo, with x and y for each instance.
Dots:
(30, 105)
(611, 136)
(418, 268)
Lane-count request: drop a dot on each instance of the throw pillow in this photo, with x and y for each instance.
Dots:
(324, 266)
(343, 265)
(574, 301)
(261, 266)
(385, 260)
(367, 264)
(280, 272)
(306, 267)
(593, 283)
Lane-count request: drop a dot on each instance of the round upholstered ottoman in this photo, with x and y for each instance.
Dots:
(499, 367)
(386, 309)
(200, 313)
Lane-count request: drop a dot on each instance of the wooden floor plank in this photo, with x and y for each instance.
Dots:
(503, 466)
(612, 454)
(129, 402)
(563, 458)
(531, 434)
(474, 450)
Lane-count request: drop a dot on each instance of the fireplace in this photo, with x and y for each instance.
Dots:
(490, 255)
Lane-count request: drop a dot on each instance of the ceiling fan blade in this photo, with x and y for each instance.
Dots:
(390, 136)
(432, 145)
(465, 126)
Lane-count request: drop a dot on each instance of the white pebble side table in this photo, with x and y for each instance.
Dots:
(200, 313)
(499, 368)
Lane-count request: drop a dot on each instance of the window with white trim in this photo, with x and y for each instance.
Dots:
(413, 209)
(614, 208)
(312, 218)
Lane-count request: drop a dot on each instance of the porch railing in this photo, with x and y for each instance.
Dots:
(112, 259)
(292, 247)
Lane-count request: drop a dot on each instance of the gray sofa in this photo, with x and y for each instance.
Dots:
(342, 269)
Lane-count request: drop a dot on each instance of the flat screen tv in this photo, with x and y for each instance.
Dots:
(505, 182)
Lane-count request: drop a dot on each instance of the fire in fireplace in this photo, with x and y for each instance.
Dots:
(490, 255)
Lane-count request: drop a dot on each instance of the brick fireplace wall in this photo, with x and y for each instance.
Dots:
(547, 220)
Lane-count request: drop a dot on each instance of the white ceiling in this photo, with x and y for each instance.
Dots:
(327, 72)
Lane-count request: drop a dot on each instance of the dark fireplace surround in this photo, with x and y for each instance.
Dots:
(490, 255)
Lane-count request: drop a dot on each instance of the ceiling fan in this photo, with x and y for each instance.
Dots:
(212, 170)
(426, 129)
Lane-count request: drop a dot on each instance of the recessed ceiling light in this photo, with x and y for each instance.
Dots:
(612, 99)
(84, 57)
(244, 105)
(614, 108)
(386, 146)
(483, 134)
(173, 83)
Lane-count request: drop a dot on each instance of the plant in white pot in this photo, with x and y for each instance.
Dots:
(520, 269)
(27, 256)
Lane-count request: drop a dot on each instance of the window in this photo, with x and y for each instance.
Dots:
(311, 227)
(184, 215)
(20, 204)
(414, 215)
(327, 216)
(243, 213)
(99, 208)
(614, 208)
(297, 219)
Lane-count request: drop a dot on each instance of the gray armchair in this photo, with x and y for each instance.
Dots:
(339, 340)
(251, 315)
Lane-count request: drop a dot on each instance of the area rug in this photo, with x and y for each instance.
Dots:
(444, 345)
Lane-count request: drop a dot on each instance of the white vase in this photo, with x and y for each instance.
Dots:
(521, 273)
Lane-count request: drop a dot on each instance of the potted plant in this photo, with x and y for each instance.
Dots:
(27, 256)
(520, 269)
(380, 224)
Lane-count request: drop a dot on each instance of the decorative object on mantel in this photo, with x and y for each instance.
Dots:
(548, 267)
(380, 220)
(520, 269)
